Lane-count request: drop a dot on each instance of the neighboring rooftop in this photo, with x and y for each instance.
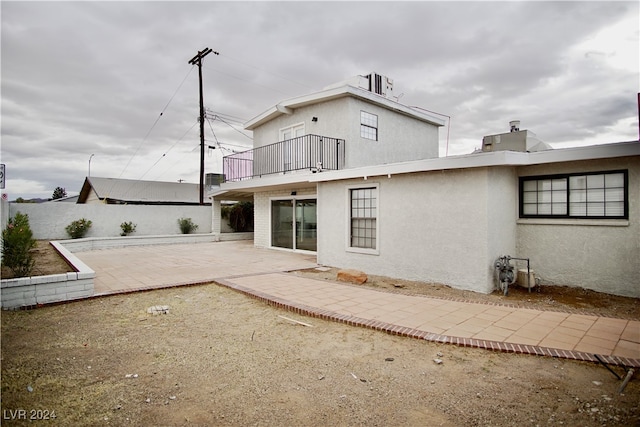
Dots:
(129, 191)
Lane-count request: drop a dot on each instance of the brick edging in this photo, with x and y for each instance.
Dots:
(428, 336)
(565, 310)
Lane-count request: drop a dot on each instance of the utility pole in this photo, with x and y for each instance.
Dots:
(197, 60)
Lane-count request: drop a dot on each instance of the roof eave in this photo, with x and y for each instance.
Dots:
(287, 106)
(488, 159)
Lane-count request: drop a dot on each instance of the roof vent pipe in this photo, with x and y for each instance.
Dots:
(514, 125)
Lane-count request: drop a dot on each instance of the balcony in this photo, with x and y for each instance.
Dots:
(308, 152)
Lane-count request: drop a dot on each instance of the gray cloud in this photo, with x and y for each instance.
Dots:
(82, 78)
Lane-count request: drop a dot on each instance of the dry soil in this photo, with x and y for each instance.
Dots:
(221, 358)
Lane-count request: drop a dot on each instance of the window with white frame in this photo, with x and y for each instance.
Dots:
(368, 125)
(293, 131)
(293, 150)
(364, 212)
(586, 195)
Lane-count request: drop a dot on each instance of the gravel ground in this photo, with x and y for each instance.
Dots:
(221, 358)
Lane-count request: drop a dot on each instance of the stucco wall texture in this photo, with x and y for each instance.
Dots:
(262, 212)
(48, 220)
(602, 255)
(450, 226)
(435, 226)
(400, 138)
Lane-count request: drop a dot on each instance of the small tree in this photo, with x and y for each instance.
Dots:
(127, 228)
(240, 216)
(78, 228)
(187, 226)
(17, 243)
(59, 193)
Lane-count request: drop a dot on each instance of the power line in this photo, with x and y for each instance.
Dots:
(244, 147)
(248, 81)
(177, 160)
(157, 161)
(149, 131)
(155, 122)
(212, 132)
(229, 117)
(266, 71)
(231, 126)
(170, 148)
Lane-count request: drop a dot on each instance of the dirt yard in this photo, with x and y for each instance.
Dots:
(220, 358)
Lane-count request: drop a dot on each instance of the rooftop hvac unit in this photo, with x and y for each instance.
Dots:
(213, 179)
(380, 85)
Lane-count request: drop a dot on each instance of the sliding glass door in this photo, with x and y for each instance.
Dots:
(306, 225)
(294, 224)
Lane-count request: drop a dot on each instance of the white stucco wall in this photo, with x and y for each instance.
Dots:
(603, 255)
(400, 138)
(450, 227)
(262, 212)
(332, 122)
(48, 220)
(502, 212)
(432, 227)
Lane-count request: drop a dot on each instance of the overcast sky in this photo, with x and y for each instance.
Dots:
(83, 78)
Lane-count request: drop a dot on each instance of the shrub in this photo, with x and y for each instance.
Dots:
(240, 216)
(127, 228)
(17, 242)
(187, 226)
(78, 228)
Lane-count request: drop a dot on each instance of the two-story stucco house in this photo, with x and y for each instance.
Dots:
(350, 174)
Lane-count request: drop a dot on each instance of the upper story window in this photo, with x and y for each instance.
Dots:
(294, 154)
(588, 195)
(368, 125)
(292, 132)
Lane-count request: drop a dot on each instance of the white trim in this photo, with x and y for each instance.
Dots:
(369, 126)
(292, 127)
(334, 93)
(283, 109)
(347, 242)
(477, 160)
(576, 221)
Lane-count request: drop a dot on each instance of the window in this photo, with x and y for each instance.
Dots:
(363, 217)
(368, 125)
(590, 195)
(293, 150)
(292, 132)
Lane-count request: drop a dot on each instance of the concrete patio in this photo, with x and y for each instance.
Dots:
(260, 273)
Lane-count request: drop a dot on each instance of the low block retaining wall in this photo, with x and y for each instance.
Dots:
(29, 292)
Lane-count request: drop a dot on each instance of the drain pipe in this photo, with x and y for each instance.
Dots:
(626, 380)
(528, 272)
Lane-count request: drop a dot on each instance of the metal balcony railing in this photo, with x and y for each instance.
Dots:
(310, 152)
